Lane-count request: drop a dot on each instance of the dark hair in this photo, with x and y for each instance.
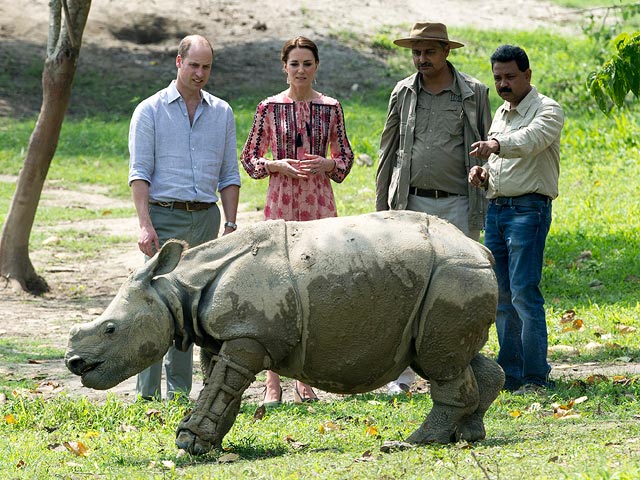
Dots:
(186, 42)
(509, 53)
(299, 42)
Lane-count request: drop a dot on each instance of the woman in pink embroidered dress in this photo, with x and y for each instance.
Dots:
(299, 126)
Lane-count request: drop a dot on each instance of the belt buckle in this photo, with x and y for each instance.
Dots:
(165, 204)
(187, 207)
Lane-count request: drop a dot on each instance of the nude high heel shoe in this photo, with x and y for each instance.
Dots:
(297, 398)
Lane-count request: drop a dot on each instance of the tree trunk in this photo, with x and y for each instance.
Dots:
(65, 37)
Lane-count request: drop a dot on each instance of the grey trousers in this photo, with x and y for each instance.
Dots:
(453, 209)
(194, 228)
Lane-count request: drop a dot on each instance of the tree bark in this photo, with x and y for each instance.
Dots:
(66, 26)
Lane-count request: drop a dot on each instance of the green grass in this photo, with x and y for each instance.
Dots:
(597, 212)
(25, 350)
(336, 440)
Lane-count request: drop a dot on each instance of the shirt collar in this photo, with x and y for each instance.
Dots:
(173, 94)
(454, 87)
(524, 104)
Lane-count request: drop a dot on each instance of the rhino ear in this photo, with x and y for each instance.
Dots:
(163, 262)
(169, 256)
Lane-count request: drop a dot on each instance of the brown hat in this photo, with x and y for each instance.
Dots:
(422, 31)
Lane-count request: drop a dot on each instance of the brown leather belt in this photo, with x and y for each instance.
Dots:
(431, 193)
(188, 206)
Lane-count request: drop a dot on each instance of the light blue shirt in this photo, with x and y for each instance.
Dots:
(180, 161)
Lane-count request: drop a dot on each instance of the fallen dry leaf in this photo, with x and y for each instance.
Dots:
(229, 458)
(577, 325)
(21, 464)
(564, 349)
(596, 378)
(259, 413)
(371, 431)
(10, 419)
(567, 317)
(366, 457)
(392, 445)
(328, 426)
(534, 407)
(168, 464)
(591, 346)
(77, 448)
(624, 329)
(621, 380)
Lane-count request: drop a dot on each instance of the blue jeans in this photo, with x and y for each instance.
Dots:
(516, 233)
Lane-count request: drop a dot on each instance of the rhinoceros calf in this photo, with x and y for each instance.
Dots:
(344, 304)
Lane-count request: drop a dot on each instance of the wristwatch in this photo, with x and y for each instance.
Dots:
(231, 225)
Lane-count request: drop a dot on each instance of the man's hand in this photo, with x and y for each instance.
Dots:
(484, 149)
(148, 241)
(477, 176)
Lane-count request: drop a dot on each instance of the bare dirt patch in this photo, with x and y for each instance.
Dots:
(137, 41)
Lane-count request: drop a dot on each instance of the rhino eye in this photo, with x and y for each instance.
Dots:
(109, 328)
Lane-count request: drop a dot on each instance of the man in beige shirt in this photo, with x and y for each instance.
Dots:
(521, 178)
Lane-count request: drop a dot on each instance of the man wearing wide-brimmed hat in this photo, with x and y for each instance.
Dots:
(433, 118)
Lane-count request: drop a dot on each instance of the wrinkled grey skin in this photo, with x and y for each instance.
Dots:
(344, 304)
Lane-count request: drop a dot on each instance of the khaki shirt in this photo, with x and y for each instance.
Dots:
(529, 157)
(438, 158)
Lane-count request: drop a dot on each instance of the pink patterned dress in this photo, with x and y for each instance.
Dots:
(291, 129)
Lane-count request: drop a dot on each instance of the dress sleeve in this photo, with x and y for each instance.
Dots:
(339, 146)
(257, 144)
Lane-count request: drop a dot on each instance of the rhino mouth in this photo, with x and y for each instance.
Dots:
(88, 368)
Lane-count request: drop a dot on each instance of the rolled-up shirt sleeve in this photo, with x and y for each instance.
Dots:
(141, 144)
(229, 174)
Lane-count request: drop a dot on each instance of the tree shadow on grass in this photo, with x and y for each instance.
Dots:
(112, 81)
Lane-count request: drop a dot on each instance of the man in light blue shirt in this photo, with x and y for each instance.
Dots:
(182, 145)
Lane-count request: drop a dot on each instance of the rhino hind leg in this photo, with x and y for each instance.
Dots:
(490, 379)
(453, 401)
(229, 375)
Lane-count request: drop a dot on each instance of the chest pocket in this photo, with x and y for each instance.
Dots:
(451, 120)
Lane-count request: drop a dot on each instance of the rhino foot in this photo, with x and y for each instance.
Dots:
(441, 426)
(190, 438)
(424, 435)
(472, 428)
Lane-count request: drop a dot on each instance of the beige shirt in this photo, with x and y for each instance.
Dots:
(529, 158)
(438, 158)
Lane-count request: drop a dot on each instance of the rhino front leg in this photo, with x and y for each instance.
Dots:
(229, 375)
(453, 400)
(490, 379)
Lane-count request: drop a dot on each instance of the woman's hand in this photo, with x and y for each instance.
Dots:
(311, 165)
(316, 165)
(288, 167)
